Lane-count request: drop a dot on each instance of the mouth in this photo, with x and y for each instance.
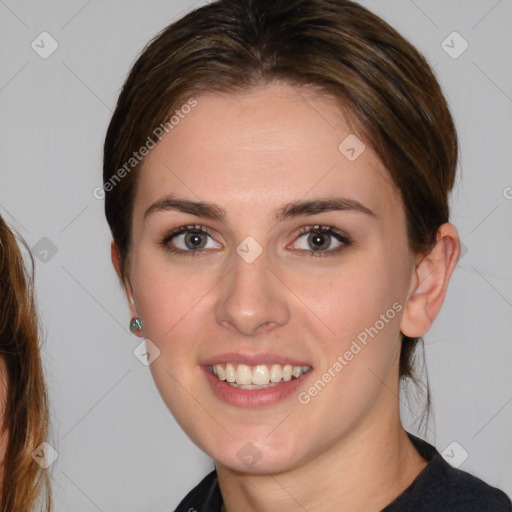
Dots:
(260, 376)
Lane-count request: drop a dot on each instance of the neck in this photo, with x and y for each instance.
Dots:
(366, 470)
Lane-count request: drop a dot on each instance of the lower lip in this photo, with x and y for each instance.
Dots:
(253, 397)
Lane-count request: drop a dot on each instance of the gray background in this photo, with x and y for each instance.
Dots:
(119, 448)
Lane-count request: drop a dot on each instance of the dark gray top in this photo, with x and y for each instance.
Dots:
(438, 488)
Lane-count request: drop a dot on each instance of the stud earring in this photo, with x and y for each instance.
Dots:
(135, 324)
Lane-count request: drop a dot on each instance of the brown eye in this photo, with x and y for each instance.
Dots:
(189, 240)
(318, 241)
(195, 240)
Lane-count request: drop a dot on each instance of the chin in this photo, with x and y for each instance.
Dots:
(255, 454)
(250, 461)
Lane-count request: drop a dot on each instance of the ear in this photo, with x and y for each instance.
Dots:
(116, 262)
(430, 281)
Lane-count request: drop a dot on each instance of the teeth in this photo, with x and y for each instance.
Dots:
(230, 372)
(243, 375)
(276, 373)
(249, 377)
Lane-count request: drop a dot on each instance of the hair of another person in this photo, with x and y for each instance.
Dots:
(26, 414)
(337, 46)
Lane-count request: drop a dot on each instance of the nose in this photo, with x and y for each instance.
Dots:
(252, 299)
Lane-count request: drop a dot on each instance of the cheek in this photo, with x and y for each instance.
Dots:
(352, 297)
(357, 339)
(358, 336)
(172, 303)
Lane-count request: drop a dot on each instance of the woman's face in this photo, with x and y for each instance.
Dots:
(264, 288)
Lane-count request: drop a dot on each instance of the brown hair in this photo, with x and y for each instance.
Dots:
(25, 417)
(337, 46)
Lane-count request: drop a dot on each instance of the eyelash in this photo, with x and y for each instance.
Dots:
(341, 237)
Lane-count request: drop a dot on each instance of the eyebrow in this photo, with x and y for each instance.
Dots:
(289, 210)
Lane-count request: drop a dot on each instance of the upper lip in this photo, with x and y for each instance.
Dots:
(253, 359)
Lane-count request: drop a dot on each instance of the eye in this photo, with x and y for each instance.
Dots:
(188, 240)
(191, 240)
(319, 240)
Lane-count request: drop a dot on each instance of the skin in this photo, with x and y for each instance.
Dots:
(250, 154)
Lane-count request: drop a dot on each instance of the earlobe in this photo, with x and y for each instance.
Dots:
(429, 283)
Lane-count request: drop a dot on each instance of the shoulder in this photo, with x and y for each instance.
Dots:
(441, 487)
(459, 490)
(204, 497)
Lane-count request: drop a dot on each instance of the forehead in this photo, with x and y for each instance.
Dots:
(273, 144)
